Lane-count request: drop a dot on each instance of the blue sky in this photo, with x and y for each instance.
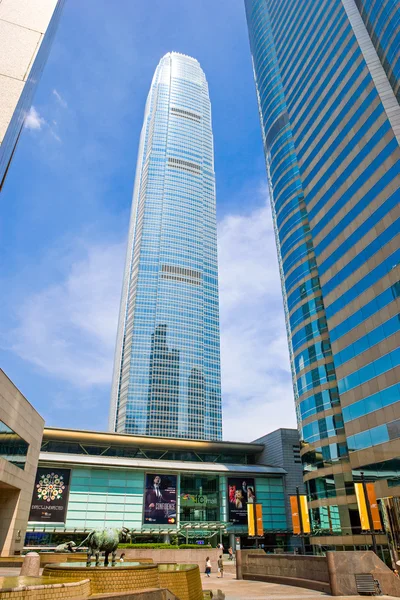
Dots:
(66, 203)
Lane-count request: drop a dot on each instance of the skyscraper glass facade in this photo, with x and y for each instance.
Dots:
(382, 20)
(166, 378)
(331, 125)
(27, 33)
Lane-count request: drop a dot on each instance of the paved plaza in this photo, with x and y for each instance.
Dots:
(257, 590)
(242, 590)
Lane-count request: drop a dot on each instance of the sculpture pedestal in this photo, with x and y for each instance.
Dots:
(31, 565)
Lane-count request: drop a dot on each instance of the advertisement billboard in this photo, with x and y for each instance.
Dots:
(160, 499)
(241, 492)
(50, 496)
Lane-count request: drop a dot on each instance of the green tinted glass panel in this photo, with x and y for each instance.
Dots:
(12, 447)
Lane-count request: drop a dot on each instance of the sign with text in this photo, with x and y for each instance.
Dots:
(199, 500)
(160, 499)
(50, 496)
(241, 492)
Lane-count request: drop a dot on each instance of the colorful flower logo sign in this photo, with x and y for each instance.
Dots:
(50, 487)
(50, 496)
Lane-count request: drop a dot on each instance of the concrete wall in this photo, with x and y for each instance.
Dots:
(290, 569)
(183, 556)
(343, 566)
(16, 485)
(333, 573)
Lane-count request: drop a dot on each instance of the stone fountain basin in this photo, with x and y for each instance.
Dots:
(82, 565)
(123, 577)
(47, 588)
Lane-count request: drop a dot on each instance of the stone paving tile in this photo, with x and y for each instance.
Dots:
(258, 590)
(255, 590)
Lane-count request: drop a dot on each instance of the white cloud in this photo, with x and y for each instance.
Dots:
(60, 99)
(55, 136)
(69, 329)
(33, 120)
(256, 380)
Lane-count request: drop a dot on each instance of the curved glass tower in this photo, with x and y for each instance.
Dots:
(326, 85)
(166, 378)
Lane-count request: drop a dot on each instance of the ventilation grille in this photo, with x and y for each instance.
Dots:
(181, 274)
(184, 165)
(186, 114)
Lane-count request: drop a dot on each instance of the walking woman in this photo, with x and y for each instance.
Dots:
(208, 566)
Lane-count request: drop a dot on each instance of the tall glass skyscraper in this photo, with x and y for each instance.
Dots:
(166, 378)
(27, 30)
(327, 75)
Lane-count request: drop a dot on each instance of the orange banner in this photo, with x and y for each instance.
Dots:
(255, 522)
(304, 514)
(250, 520)
(376, 517)
(295, 514)
(362, 506)
(259, 519)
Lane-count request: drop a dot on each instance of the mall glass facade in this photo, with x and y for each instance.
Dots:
(108, 489)
(166, 378)
(330, 125)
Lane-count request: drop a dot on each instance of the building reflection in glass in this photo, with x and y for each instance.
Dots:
(196, 403)
(162, 416)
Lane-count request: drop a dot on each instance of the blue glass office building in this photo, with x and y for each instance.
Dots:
(167, 363)
(27, 33)
(326, 77)
(382, 20)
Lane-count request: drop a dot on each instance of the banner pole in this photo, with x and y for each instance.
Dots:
(255, 523)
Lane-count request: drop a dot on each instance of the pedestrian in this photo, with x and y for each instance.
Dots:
(208, 566)
(230, 552)
(122, 557)
(220, 566)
